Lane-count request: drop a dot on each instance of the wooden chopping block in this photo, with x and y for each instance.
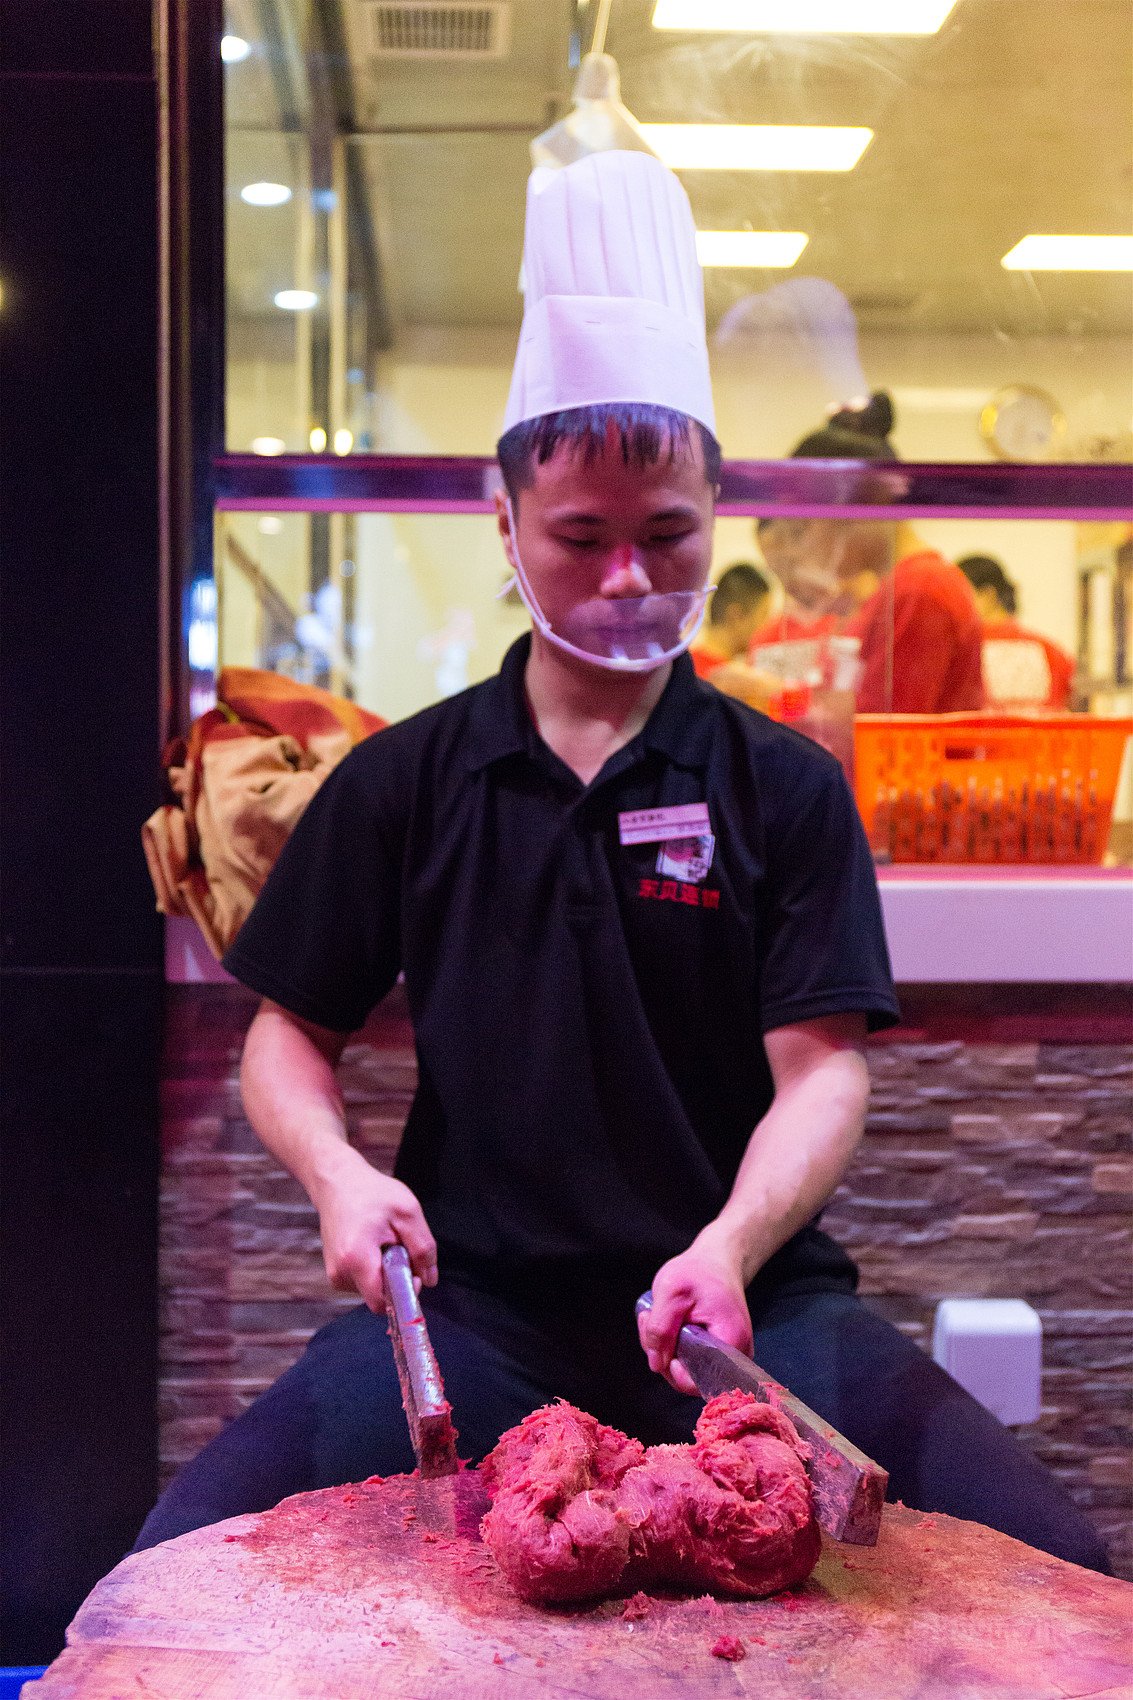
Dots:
(385, 1588)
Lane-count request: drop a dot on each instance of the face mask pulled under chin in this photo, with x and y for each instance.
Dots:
(624, 634)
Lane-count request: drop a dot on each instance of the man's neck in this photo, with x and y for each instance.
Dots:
(586, 713)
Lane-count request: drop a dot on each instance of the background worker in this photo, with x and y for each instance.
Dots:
(815, 602)
(913, 611)
(1022, 669)
(803, 554)
(736, 610)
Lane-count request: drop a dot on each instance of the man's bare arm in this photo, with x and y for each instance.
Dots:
(293, 1101)
(793, 1162)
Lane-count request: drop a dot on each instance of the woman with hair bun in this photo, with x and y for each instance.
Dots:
(914, 612)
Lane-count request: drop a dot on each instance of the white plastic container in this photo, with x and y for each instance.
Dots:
(994, 1349)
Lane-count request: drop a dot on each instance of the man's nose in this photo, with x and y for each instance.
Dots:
(625, 574)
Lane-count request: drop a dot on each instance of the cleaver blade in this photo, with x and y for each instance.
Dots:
(428, 1412)
(849, 1488)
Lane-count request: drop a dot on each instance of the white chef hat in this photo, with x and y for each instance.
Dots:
(614, 307)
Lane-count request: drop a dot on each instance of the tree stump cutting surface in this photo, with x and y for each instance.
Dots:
(385, 1589)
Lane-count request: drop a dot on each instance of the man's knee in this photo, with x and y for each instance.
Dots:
(1078, 1542)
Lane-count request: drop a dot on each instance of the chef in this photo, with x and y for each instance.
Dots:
(642, 949)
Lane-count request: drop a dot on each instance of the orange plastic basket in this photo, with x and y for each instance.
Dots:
(987, 788)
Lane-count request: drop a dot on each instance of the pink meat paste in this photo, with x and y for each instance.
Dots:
(580, 1510)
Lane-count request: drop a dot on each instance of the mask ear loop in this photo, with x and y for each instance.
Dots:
(518, 581)
(612, 664)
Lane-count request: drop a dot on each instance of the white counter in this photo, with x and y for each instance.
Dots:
(948, 926)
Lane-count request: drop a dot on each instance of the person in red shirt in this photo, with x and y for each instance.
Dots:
(1021, 668)
(736, 609)
(916, 617)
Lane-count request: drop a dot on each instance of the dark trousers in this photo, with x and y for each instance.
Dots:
(336, 1415)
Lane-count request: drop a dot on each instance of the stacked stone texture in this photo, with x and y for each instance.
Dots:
(987, 1170)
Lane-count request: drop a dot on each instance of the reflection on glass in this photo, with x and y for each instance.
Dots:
(396, 611)
(392, 610)
(405, 163)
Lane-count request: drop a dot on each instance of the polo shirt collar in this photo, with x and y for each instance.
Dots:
(501, 725)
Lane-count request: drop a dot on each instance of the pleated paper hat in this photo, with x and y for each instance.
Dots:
(614, 295)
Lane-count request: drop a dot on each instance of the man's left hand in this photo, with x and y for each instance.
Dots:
(703, 1285)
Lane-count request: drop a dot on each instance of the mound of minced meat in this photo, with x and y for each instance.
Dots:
(580, 1510)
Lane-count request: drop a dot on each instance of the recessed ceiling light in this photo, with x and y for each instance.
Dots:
(749, 247)
(268, 446)
(265, 194)
(343, 441)
(804, 17)
(233, 48)
(317, 438)
(295, 300)
(758, 147)
(1071, 254)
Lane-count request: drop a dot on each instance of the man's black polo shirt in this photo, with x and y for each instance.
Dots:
(588, 1030)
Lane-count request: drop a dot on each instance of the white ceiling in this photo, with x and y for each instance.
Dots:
(1016, 117)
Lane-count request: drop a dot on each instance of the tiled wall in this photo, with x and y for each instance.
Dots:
(988, 1169)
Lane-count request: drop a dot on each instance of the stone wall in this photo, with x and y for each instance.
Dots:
(991, 1167)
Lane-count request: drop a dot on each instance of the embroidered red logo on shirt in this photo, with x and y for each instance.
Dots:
(673, 891)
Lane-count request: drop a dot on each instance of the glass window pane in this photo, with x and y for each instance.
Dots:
(377, 308)
(392, 610)
(399, 610)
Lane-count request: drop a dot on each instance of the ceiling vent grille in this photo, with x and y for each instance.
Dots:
(431, 30)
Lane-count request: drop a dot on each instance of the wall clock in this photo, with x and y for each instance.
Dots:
(1023, 423)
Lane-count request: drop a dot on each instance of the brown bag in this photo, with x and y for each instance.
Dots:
(243, 777)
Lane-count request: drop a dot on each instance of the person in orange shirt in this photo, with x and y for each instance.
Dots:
(1021, 668)
(916, 618)
(738, 607)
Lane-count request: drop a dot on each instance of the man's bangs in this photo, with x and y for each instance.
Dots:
(646, 435)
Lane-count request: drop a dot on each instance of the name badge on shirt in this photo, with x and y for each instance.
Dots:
(659, 826)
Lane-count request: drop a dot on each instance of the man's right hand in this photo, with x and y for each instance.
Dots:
(294, 1103)
(361, 1211)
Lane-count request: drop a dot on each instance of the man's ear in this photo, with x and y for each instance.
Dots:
(503, 526)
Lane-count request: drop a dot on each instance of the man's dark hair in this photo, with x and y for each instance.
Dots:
(645, 433)
(740, 586)
(984, 572)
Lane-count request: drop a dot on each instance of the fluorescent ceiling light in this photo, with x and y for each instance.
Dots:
(295, 300)
(265, 194)
(804, 17)
(233, 48)
(749, 247)
(1071, 254)
(758, 147)
(268, 446)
